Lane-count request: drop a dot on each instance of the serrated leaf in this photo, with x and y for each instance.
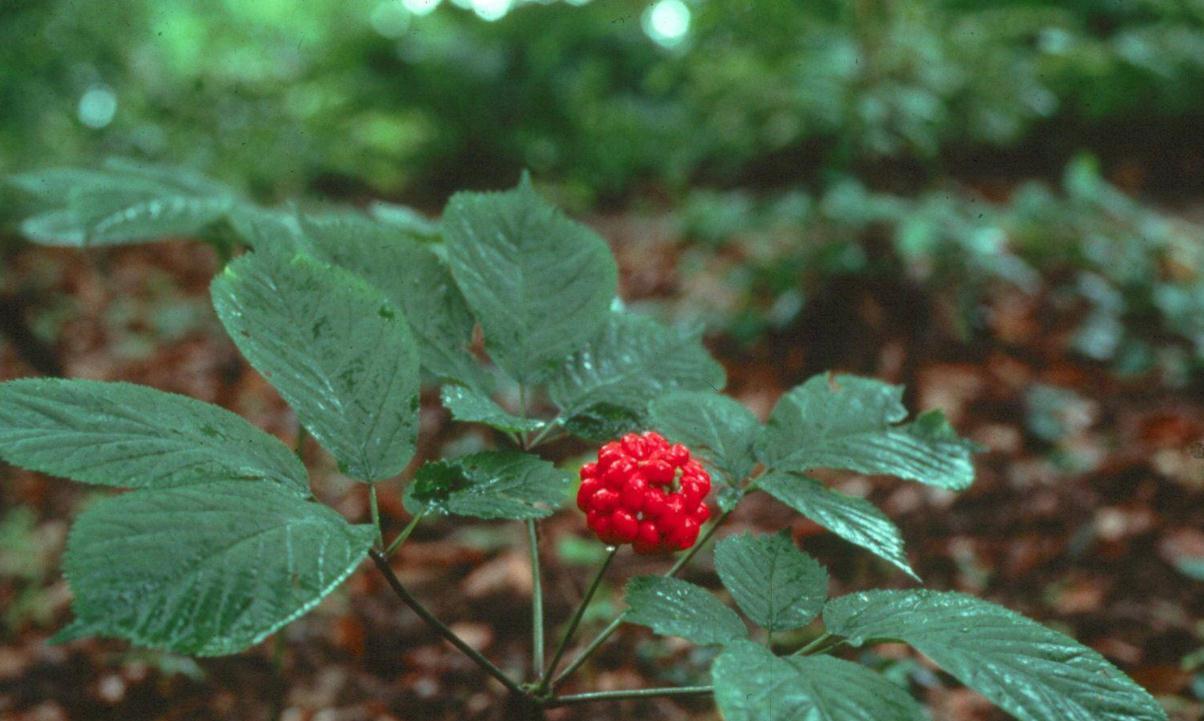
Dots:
(1030, 671)
(405, 218)
(469, 405)
(854, 519)
(673, 607)
(119, 434)
(335, 348)
(124, 202)
(53, 184)
(413, 278)
(267, 229)
(630, 362)
(603, 422)
(539, 283)
(180, 178)
(714, 426)
(207, 569)
(751, 684)
(491, 485)
(855, 423)
(778, 586)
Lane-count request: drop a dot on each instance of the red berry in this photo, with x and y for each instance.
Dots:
(675, 506)
(684, 535)
(655, 502)
(624, 525)
(608, 455)
(649, 534)
(586, 493)
(634, 446)
(618, 473)
(656, 442)
(605, 500)
(635, 491)
(693, 492)
(659, 472)
(598, 522)
(646, 492)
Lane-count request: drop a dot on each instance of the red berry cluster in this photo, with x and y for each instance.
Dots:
(645, 492)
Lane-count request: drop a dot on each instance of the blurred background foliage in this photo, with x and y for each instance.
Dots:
(615, 100)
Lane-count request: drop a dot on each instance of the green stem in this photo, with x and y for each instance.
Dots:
(589, 650)
(614, 625)
(706, 537)
(522, 404)
(382, 563)
(816, 643)
(576, 621)
(825, 643)
(543, 433)
(374, 505)
(537, 640)
(405, 533)
(628, 694)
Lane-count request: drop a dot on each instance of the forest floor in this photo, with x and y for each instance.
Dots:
(1095, 528)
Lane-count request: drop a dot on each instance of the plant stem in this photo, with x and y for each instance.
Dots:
(589, 650)
(537, 640)
(706, 537)
(522, 404)
(576, 620)
(374, 505)
(816, 643)
(382, 563)
(543, 433)
(614, 625)
(825, 643)
(405, 533)
(628, 694)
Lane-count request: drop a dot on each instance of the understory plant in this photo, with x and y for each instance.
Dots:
(219, 541)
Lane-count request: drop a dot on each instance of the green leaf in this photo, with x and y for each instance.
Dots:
(673, 607)
(491, 484)
(413, 278)
(603, 422)
(632, 361)
(124, 202)
(469, 405)
(406, 219)
(1031, 672)
(208, 569)
(539, 283)
(118, 434)
(729, 497)
(751, 684)
(854, 519)
(267, 229)
(335, 348)
(854, 423)
(714, 426)
(777, 585)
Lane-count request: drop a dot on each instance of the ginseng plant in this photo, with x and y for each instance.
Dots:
(219, 543)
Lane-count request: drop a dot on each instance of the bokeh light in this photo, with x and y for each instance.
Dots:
(667, 22)
(97, 106)
(491, 9)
